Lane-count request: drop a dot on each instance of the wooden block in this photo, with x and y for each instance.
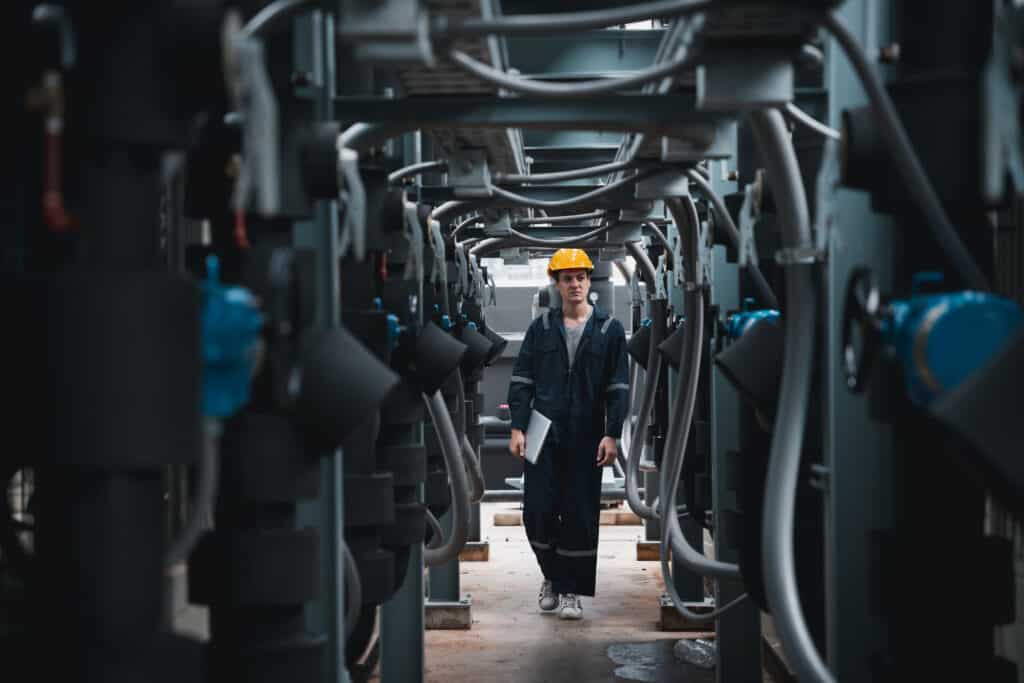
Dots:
(508, 518)
(448, 615)
(627, 518)
(671, 620)
(475, 551)
(609, 517)
(648, 551)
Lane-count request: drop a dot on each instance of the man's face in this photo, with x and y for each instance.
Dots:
(573, 285)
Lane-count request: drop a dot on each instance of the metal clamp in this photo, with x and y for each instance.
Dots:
(661, 280)
(462, 283)
(826, 184)
(799, 256)
(438, 272)
(353, 195)
(414, 234)
(469, 176)
(748, 217)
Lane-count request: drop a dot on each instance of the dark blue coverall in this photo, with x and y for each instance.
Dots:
(562, 496)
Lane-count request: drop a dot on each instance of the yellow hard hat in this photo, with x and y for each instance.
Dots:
(569, 259)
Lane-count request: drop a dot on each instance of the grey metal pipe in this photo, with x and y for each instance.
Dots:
(451, 451)
(206, 495)
(638, 505)
(779, 564)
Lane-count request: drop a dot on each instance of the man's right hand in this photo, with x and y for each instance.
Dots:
(517, 443)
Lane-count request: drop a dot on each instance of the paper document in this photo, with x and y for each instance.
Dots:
(536, 432)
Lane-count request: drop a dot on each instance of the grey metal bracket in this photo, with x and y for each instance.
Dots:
(799, 256)
(748, 217)
(826, 185)
(820, 477)
(414, 234)
(252, 98)
(439, 270)
(469, 175)
(661, 280)
(353, 195)
(668, 184)
(678, 272)
(477, 277)
(515, 256)
(462, 268)
(1001, 97)
(387, 31)
(500, 227)
(704, 253)
(635, 293)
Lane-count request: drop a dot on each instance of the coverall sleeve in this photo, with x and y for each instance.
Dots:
(521, 386)
(617, 390)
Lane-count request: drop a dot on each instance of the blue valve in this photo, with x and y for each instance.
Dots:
(738, 323)
(471, 325)
(378, 305)
(939, 339)
(446, 322)
(231, 324)
(394, 329)
(646, 322)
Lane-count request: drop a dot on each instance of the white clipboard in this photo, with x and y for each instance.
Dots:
(536, 432)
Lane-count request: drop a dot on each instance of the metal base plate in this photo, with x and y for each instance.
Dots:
(672, 620)
(449, 615)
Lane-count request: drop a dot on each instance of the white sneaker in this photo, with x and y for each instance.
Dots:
(548, 600)
(570, 607)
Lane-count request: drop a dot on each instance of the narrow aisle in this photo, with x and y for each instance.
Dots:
(511, 640)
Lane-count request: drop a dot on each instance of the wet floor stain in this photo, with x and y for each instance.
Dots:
(635, 661)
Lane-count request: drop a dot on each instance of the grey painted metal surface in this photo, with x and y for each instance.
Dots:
(738, 641)
(858, 450)
(314, 54)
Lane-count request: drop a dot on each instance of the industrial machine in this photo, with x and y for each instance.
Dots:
(252, 337)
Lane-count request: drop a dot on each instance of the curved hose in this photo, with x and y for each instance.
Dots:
(354, 598)
(558, 241)
(650, 273)
(787, 438)
(476, 474)
(206, 495)
(640, 438)
(457, 473)
(568, 218)
(686, 397)
(435, 528)
(559, 176)
(415, 169)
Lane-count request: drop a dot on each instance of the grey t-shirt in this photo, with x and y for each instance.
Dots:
(572, 338)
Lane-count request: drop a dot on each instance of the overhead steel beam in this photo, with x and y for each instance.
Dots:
(672, 115)
(616, 199)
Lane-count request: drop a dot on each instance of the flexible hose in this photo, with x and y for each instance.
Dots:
(354, 596)
(206, 495)
(544, 24)
(451, 450)
(435, 527)
(559, 241)
(537, 88)
(273, 15)
(558, 176)
(725, 220)
(650, 273)
(809, 122)
(907, 164)
(571, 201)
(779, 563)
(415, 169)
(569, 218)
(476, 473)
(669, 256)
(686, 400)
(638, 442)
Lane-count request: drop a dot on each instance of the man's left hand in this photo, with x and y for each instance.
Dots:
(606, 451)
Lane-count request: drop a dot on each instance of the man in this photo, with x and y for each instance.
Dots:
(572, 369)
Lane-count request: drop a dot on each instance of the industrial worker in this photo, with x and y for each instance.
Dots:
(572, 369)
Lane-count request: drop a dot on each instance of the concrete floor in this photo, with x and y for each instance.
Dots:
(511, 640)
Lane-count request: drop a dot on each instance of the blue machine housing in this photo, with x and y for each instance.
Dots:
(941, 339)
(738, 323)
(231, 324)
